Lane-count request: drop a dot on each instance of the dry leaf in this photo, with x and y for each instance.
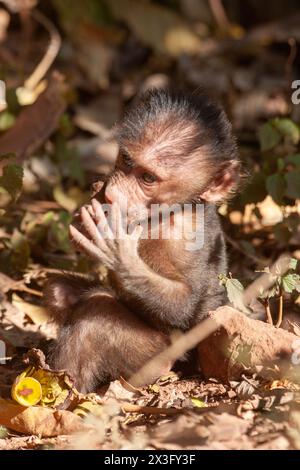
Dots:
(36, 313)
(36, 122)
(157, 26)
(86, 407)
(117, 391)
(38, 420)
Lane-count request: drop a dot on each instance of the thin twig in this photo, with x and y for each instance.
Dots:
(268, 312)
(280, 314)
(290, 62)
(183, 344)
(50, 55)
(150, 410)
(23, 288)
(220, 15)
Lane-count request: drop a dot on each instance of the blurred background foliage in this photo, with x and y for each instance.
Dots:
(57, 132)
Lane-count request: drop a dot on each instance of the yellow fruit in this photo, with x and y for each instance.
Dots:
(26, 391)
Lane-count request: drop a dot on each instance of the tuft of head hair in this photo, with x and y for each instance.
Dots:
(193, 121)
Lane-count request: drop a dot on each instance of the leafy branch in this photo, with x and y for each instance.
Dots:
(281, 284)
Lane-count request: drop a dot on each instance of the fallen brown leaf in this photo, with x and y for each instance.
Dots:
(36, 122)
(36, 313)
(157, 26)
(38, 420)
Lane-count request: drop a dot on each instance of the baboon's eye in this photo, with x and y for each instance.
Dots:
(148, 178)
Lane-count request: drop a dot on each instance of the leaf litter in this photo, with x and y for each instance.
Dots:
(56, 157)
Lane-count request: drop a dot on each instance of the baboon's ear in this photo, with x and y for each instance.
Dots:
(224, 184)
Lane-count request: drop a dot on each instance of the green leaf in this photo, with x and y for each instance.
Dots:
(276, 186)
(66, 126)
(293, 159)
(290, 282)
(3, 432)
(255, 191)
(280, 164)
(288, 129)
(7, 120)
(59, 231)
(64, 199)
(293, 184)
(293, 263)
(268, 136)
(12, 179)
(235, 292)
(20, 255)
(269, 293)
(198, 403)
(68, 160)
